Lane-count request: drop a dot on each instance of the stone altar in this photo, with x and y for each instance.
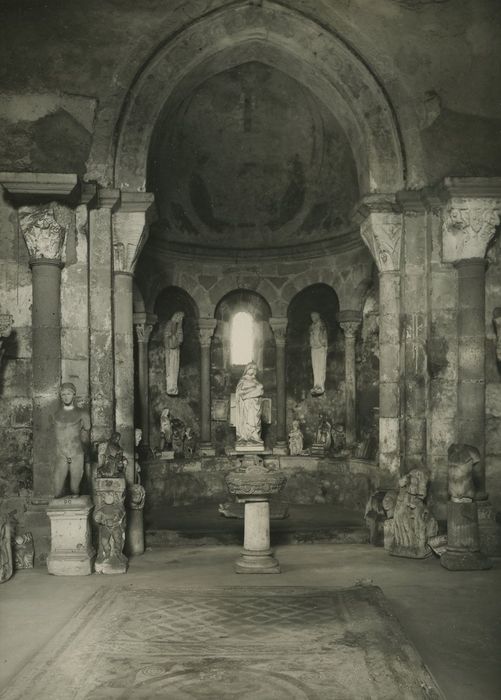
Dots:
(254, 484)
(71, 550)
(109, 515)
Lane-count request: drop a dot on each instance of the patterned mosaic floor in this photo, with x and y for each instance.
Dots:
(227, 644)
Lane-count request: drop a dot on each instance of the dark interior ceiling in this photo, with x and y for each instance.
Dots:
(251, 159)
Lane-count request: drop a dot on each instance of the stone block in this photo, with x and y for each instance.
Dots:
(444, 288)
(389, 399)
(415, 398)
(493, 436)
(443, 432)
(471, 399)
(389, 434)
(75, 343)
(415, 436)
(71, 551)
(443, 395)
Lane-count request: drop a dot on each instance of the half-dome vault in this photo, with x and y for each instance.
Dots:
(251, 159)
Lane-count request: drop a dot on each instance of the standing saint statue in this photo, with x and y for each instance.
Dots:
(248, 396)
(173, 337)
(318, 345)
(71, 428)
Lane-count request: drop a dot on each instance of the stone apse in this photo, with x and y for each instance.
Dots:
(407, 253)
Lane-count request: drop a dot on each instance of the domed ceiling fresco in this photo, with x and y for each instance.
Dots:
(252, 159)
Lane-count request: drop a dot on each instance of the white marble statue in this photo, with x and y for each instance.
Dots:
(248, 395)
(173, 337)
(295, 439)
(318, 345)
(165, 430)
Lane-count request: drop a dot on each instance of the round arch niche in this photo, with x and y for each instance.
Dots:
(186, 405)
(320, 298)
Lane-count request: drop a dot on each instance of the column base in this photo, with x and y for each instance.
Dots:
(70, 563)
(464, 561)
(280, 449)
(257, 562)
(206, 449)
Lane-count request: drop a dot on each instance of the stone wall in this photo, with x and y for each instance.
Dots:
(493, 377)
(16, 477)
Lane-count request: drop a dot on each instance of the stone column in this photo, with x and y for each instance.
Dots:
(143, 323)
(130, 231)
(279, 328)
(45, 237)
(206, 327)
(469, 222)
(381, 229)
(350, 322)
(101, 371)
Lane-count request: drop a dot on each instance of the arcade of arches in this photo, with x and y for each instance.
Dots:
(272, 158)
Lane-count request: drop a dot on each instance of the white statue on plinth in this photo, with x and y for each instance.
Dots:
(173, 337)
(318, 345)
(249, 394)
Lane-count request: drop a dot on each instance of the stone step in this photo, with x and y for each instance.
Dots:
(191, 525)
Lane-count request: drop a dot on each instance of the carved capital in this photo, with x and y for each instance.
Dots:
(382, 233)
(144, 323)
(468, 226)
(143, 332)
(130, 229)
(43, 233)
(350, 326)
(206, 327)
(279, 327)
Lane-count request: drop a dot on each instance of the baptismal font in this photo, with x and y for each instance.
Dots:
(252, 482)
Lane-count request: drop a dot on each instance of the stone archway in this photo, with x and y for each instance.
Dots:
(278, 37)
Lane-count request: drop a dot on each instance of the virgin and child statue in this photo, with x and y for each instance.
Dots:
(248, 397)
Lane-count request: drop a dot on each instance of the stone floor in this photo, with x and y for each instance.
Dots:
(453, 619)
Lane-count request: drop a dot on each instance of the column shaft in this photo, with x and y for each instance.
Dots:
(46, 359)
(389, 371)
(281, 399)
(257, 526)
(144, 389)
(124, 367)
(205, 428)
(471, 361)
(101, 373)
(350, 389)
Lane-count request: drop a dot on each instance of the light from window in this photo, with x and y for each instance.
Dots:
(242, 338)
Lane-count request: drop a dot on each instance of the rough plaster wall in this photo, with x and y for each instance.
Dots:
(15, 372)
(493, 377)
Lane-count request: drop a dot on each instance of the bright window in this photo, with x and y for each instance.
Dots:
(242, 338)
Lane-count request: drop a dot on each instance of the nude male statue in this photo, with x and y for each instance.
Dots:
(71, 428)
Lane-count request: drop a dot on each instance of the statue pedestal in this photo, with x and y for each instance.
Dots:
(109, 515)
(250, 447)
(463, 548)
(317, 449)
(253, 485)
(71, 551)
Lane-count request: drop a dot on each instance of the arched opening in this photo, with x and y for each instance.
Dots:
(242, 338)
(185, 405)
(302, 405)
